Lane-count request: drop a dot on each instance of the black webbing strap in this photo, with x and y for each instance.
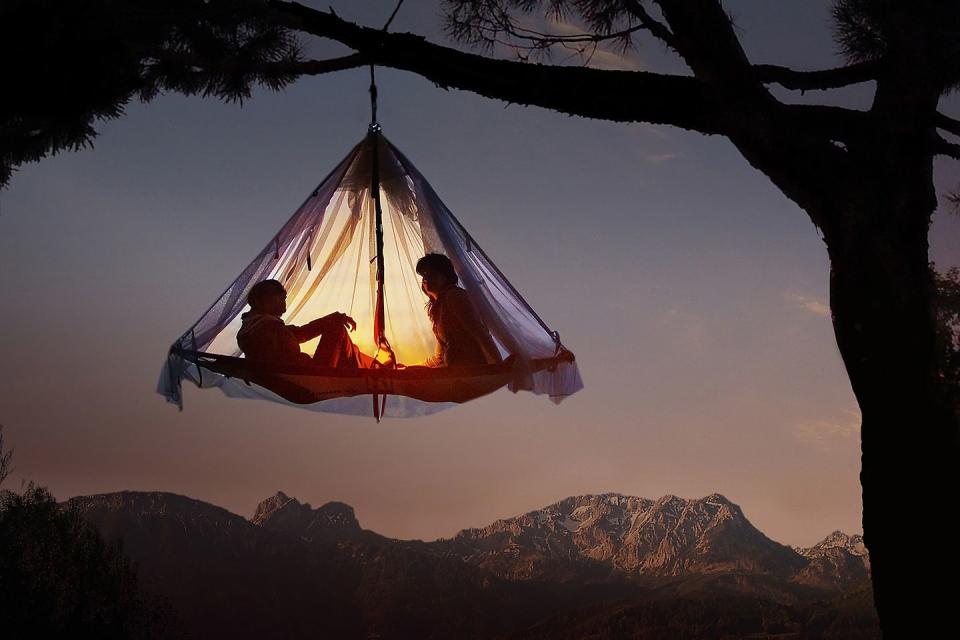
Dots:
(379, 404)
(373, 76)
(193, 338)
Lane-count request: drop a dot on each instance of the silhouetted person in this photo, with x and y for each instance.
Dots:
(264, 336)
(462, 338)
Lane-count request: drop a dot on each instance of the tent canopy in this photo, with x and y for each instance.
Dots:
(326, 257)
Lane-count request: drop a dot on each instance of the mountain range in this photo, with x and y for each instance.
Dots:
(601, 566)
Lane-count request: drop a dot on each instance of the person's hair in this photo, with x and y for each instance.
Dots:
(437, 263)
(262, 289)
(440, 264)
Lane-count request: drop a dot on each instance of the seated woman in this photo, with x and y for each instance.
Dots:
(462, 338)
(264, 336)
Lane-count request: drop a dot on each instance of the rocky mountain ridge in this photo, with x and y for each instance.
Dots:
(293, 568)
(667, 537)
(836, 540)
(835, 562)
(609, 536)
(283, 513)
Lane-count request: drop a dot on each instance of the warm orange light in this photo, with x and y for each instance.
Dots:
(342, 277)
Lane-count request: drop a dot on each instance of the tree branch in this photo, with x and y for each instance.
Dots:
(318, 67)
(623, 96)
(483, 23)
(948, 124)
(533, 40)
(291, 67)
(655, 27)
(817, 80)
(707, 42)
(836, 123)
(944, 148)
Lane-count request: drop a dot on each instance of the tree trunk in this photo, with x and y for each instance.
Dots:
(882, 300)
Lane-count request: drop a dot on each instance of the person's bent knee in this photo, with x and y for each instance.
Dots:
(337, 332)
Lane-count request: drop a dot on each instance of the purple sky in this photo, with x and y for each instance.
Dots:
(692, 291)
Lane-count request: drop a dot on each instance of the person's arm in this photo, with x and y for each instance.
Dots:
(317, 327)
(436, 360)
(306, 332)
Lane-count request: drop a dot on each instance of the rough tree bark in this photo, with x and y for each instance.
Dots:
(881, 298)
(864, 178)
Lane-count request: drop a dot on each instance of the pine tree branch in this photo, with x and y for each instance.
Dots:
(706, 40)
(655, 27)
(835, 123)
(944, 148)
(948, 124)
(817, 80)
(623, 96)
(318, 67)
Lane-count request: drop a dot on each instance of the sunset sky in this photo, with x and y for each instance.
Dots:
(692, 291)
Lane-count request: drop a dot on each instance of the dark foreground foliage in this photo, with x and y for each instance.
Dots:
(58, 578)
(713, 616)
(69, 63)
(948, 326)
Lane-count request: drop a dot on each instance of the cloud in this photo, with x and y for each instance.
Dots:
(830, 435)
(809, 303)
(615, 60)
(607, 55)
(645, 129)
(660, 158)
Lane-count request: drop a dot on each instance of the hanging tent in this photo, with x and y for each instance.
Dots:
(352, 247)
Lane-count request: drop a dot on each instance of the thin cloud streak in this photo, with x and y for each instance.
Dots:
(660, 158)
(809, 303)
(608, 57)
(830, 435)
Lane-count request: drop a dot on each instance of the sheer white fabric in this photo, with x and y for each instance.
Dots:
(325, 256)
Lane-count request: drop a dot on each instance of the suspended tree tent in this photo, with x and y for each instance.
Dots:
(352, 247)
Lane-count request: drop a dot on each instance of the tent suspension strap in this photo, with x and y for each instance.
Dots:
(392, 16)
(373, 99)
(379, 320)
(375, 181)
(378, 230)
(373, 79)
(379, 324)
(193, 338)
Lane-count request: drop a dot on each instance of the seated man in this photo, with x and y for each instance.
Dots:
(264, 336)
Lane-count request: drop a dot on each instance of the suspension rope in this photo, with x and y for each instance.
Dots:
(375, 139)
(373, 75)
(392, 15)
(373, 99)
(379, 320)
